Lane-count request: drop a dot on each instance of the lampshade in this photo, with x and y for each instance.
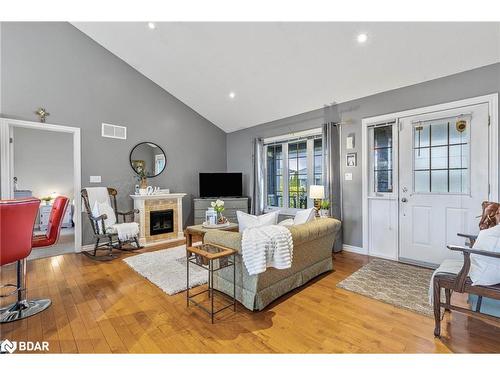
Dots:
(316, 192)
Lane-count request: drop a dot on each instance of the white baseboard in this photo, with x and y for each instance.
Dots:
(383, 256)
(87, 248)
(91, 246)
(354, 249)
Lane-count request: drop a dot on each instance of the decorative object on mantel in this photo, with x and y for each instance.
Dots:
(143, 181)
(317, 193)
(42, 113)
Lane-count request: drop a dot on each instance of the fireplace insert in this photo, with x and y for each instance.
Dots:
(161, 222)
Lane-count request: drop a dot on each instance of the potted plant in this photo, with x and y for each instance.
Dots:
(142, 178)
(218, 207)
(324, 208)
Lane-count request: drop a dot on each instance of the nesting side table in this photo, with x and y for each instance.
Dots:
(211, 258)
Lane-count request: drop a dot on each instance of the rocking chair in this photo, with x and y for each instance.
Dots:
(460, 282)
(107, 238)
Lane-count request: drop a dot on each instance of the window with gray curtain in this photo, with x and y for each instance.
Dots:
(292, 165)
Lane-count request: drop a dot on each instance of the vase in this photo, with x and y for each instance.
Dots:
(144, 183)
(220, 218)
(323, 213)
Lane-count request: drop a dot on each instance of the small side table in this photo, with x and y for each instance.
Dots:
(204, 256)
(200, 230)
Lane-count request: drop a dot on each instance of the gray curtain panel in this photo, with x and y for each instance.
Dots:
(333, 192)
(257, 206)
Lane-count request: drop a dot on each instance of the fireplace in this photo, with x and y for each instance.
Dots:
(168, 225)
(160, 222)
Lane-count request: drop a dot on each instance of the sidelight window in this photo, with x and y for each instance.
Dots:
(382, 144)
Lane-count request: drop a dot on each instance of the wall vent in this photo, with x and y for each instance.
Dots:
(113, 131)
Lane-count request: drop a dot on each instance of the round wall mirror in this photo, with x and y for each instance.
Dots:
(148, 157)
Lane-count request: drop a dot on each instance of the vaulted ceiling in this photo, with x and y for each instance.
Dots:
(277, 69)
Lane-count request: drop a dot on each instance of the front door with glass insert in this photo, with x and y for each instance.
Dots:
(443, 178)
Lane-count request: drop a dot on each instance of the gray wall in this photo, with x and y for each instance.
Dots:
(82, 85)
(481, 81)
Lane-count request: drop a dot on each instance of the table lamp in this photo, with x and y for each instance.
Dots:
(317, 193)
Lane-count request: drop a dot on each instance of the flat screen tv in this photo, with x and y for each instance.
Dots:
(214, 185)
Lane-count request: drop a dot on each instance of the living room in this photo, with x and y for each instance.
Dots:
(249, 187)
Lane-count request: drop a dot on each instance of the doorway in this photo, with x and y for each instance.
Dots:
(427, 172)
(43, 160)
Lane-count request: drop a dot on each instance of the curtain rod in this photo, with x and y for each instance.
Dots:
(294, 135)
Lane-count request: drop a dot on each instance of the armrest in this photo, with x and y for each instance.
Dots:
(132, 212)
(127, 214)
(102, 217)
(96, 219)
(464, 272)
(228, 239)
(471, 237)
(474, 251)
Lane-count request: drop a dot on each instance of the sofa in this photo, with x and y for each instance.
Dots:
(312, 256)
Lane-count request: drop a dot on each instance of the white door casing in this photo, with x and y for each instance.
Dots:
(385, 228)
(7, 162)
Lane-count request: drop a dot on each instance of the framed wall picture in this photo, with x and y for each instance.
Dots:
(351, 159)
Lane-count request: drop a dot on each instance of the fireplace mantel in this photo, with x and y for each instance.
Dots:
(155, 202)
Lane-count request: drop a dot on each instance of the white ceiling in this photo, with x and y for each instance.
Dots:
(282, 69)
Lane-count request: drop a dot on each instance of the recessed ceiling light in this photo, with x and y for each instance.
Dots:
(362, 38)
(232, 95)
(151, 25)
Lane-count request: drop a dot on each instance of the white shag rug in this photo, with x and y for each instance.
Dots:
(167, 269)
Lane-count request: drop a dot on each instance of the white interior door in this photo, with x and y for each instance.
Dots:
(443, 178)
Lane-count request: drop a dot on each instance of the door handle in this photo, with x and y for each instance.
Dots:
(404, 200)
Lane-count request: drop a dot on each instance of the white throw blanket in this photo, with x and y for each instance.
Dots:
(452, 266)
(126, 231)
(266, 246)
(97, 194)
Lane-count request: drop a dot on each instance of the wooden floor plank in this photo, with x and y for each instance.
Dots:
(106, 307)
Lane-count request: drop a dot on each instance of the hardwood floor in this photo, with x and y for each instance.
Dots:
(105, 307)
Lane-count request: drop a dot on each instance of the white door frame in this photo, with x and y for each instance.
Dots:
(6, 164)
(491, 100)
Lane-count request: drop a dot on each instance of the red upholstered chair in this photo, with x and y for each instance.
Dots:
(55, 221)
(17, 218)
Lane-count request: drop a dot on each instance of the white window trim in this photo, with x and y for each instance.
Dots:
(284, 140)
(370, 160)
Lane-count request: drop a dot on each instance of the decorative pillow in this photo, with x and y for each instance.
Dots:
(104, 209)
(248, 221)
(286, 223)
(486, 270)
(304, 216)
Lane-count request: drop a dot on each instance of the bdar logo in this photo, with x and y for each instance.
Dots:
(8, 346)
